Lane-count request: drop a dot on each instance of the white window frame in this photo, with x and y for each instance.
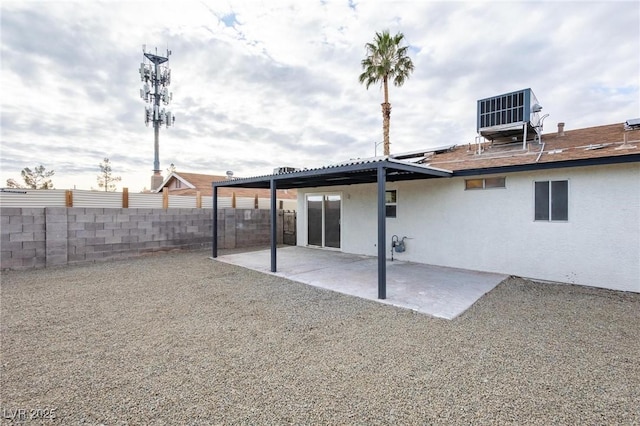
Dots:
(550, 201)
(306, 218)
(394, 204)
(484, 183)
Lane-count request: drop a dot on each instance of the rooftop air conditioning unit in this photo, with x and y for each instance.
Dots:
(503, 119)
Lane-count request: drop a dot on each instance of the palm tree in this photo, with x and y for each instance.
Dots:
(386, 60)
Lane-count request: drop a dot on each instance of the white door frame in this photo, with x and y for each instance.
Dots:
(306, 225)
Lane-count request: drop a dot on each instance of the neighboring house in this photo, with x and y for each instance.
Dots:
(561, 207)
(180, 183)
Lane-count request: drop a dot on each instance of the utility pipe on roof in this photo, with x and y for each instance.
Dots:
(539, 128)
(541, 151)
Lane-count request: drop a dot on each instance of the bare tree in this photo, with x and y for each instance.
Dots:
(106, 179)
(11, 183)
(38, 178)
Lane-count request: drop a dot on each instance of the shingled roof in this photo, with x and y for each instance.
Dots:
(195, 182)
(609, 144)
(601, 144)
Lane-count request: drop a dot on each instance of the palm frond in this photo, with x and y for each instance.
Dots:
(386, 58)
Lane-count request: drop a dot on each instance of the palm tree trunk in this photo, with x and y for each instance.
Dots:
(386, 117)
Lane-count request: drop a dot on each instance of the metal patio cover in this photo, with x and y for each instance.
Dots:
(379, 170)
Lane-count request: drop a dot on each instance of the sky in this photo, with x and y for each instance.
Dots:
(263, 84)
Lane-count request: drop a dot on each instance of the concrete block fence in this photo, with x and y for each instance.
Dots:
(54, 236)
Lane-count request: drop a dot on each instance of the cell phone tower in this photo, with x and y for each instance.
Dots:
(156, 76)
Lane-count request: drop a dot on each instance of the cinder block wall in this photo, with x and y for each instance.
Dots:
(22, 238)
(246, 228)
(41, 237)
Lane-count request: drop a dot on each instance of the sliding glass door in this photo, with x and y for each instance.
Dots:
(323, 220)
(314, 220)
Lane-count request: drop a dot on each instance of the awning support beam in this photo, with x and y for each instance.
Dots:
(274, 225)
(214, 243)
(382, 234)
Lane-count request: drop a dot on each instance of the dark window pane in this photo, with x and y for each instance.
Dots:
(494, 182)
(314, 220)
(560, 200)
(391, 211)
(332, 221)
(542, 201)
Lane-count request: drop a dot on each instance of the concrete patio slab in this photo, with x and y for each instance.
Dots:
(434, 290)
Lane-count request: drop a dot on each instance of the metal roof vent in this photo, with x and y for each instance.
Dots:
(632, 124)
(629, 125)
(280, 170)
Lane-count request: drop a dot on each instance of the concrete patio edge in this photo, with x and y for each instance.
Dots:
(438, 291)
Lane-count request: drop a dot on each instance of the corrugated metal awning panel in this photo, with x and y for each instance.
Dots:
(350, 173)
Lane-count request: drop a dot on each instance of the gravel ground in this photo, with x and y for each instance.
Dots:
(180, 339)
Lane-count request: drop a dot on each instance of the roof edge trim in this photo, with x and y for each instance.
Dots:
(599, 161)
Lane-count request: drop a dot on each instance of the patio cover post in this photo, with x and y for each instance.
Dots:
(382, 234)
(214, 243)
(274, 225)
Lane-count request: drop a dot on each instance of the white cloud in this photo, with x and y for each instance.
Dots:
(261, 84)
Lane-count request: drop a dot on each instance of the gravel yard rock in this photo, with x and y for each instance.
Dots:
(182, 339)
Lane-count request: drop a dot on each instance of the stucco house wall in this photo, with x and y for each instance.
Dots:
(494, 230)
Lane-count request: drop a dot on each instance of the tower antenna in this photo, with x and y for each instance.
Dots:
(156, 78)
